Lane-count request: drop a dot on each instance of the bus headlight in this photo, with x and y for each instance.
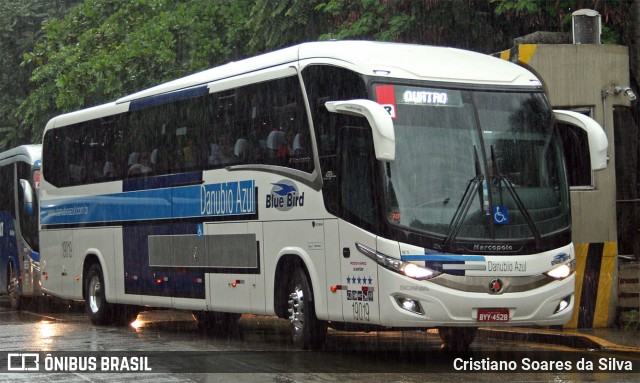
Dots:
(408, 269)
(417, 272)
(562, 271)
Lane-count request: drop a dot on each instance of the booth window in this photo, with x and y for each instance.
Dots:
(576, 152)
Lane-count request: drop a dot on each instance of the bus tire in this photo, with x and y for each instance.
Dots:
(13, 288)
(457, 338)
(307, 332)
(99, 310)
(211, 319)
(218, 324)
(124, 314)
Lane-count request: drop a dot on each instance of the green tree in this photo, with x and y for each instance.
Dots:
(277, 23)
(484, 26)
(555, 15)
(104, 49)
(20, 21)
(465, 24)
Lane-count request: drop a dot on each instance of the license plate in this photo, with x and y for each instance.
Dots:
(493, 315)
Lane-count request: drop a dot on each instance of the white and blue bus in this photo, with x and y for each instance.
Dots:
(356, 185)
(19, 247)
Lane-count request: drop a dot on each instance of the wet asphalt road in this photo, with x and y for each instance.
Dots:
(257, 350)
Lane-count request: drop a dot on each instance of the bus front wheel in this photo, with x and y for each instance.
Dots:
(457, 338)
(307, 332)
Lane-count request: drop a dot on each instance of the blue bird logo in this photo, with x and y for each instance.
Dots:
(284, 189)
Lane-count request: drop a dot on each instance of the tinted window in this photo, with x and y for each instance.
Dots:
(576, 152)
(28, 215)
(328, 83)
(262, 124)
(6, 196)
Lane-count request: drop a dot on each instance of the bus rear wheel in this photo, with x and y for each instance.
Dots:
(124, 314)
(307, 332)
(98, 309)
(457, 338)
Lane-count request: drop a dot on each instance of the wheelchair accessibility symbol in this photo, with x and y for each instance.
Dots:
(500, 215)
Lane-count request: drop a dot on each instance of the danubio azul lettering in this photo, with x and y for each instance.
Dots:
(230, 198)
(505, 266)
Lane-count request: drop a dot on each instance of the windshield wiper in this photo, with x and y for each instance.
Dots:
(462, 210)
(473, 185)
(501, 178)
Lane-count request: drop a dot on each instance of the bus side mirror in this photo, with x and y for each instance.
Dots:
(27, 197)
(384, 141)
(596, 136)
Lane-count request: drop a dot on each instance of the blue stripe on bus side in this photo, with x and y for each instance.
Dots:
(140, 205)
(210, 200)
(445, 263)
(168, 97)
(442, 258)
(160, 182)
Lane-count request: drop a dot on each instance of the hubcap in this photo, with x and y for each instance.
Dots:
(95, 295)
(296, 310)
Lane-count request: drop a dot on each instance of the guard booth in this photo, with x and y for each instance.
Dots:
(591, 78)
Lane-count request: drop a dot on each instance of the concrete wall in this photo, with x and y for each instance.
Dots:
(575, 76)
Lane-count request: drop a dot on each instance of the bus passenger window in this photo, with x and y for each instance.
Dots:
(240, 151)
(221, 153)
(143, 167)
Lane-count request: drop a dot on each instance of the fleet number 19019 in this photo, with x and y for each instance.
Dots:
(360, 311)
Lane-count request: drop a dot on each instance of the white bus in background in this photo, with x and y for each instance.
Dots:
(356, 185)
(19, 248)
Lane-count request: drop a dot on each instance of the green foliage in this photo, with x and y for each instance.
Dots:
(278, 23)
(20, 21)
(555, 15)
(93, 51)
(104, 49)
(506, 6)
(366, 19)
(460, 23)
(632, 321)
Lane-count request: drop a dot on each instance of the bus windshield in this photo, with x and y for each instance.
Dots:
(474, 165)
(28, 212)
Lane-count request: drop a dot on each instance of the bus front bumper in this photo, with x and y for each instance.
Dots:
(406, 302)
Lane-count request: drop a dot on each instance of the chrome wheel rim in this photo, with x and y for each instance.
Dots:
(296, 311)
(95, 296)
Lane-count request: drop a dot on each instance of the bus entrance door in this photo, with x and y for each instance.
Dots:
(359, 277)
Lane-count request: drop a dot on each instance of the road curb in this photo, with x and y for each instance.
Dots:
(560, 338)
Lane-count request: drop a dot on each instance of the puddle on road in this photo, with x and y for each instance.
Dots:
(40, 309)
